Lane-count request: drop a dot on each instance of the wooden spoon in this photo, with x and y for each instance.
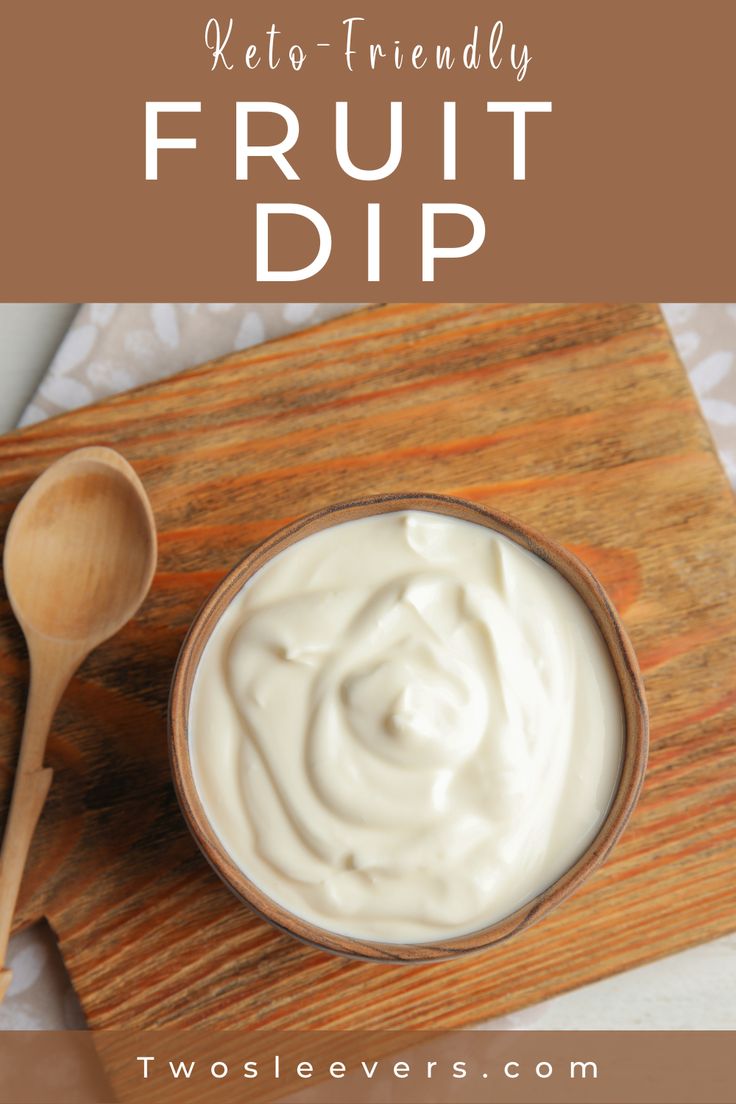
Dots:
(80, 553)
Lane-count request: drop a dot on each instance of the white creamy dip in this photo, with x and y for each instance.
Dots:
(404, 727)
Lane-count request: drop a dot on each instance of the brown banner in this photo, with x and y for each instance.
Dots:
(506, 1067)
(623, 156)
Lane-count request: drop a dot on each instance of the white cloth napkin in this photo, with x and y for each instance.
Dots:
(111, 347)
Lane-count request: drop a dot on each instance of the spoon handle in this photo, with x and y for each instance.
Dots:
(30, 789)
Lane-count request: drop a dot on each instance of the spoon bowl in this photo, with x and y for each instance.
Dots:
(81, 548)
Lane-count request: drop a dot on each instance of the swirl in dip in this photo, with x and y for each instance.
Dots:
(404, 727)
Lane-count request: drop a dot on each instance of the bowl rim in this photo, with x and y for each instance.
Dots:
(636, 727)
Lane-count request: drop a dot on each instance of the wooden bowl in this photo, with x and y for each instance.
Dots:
(622, 655)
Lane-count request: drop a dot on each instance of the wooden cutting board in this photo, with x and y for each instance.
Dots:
(577, 419)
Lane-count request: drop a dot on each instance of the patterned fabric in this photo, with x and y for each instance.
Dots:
(112, 347)
(705, 336)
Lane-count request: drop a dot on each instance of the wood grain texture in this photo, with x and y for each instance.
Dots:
(577, 419)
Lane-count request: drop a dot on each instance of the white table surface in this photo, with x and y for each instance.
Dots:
(691, 990)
